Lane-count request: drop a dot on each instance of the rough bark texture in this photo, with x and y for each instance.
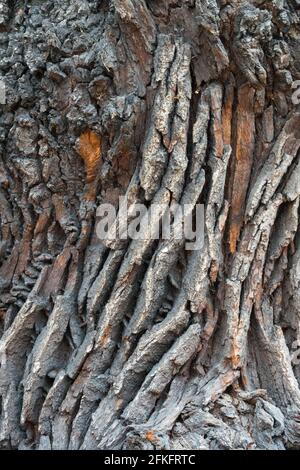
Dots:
(144, 345)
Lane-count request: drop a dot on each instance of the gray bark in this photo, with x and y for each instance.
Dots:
(143, 345)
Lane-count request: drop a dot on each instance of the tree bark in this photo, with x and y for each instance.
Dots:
(143, 344)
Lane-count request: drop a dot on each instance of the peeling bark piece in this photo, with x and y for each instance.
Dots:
(242, 163)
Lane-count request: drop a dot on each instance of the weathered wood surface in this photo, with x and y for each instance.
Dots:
(144, 345)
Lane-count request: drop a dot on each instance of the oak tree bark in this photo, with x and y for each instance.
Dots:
(142, 344)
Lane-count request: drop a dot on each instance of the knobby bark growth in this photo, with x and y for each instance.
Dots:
(142, 344)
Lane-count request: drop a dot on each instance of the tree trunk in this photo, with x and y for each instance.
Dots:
(143, 344)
